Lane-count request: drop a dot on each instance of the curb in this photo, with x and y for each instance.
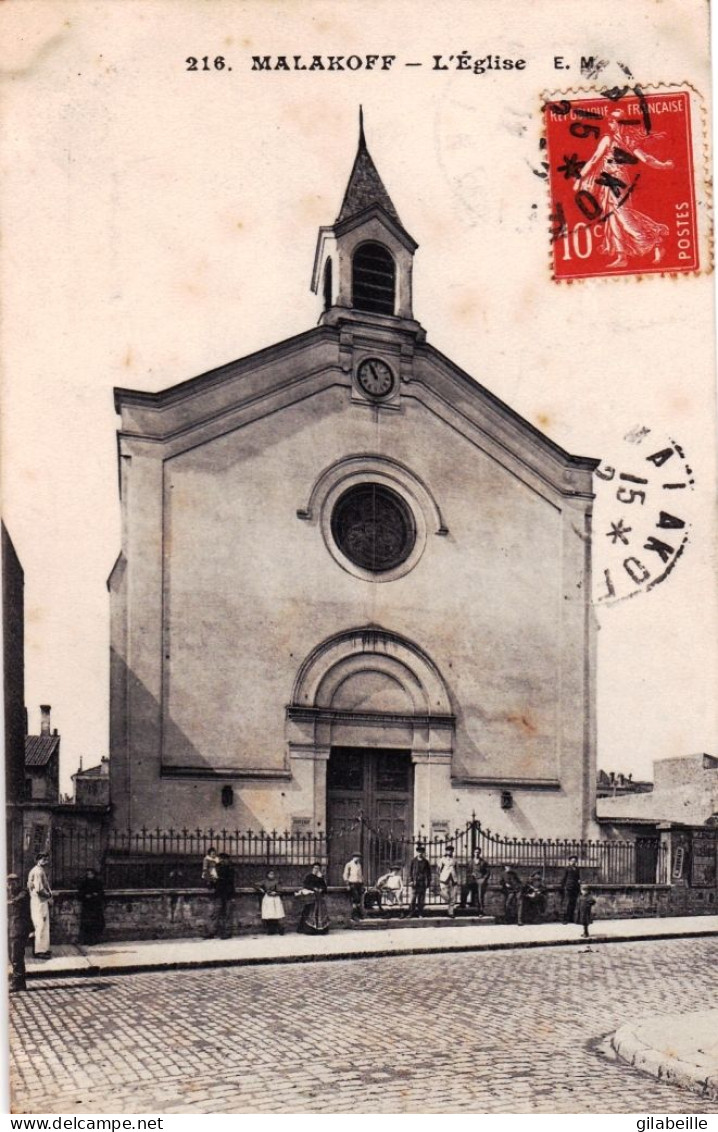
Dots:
(95, 971)
(632, 1049)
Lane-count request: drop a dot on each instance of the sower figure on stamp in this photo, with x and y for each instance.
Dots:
(353, 877)
(19, 926)
(570, 888)
(40, 897)
(222, 893)
(419, 879)
(626, 231)
(448, 879)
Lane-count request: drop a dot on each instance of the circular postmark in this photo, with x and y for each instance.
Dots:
(641, 523)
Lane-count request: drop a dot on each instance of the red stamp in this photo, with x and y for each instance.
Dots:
(621, 178)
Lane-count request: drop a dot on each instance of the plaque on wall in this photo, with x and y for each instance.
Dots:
(703, 858)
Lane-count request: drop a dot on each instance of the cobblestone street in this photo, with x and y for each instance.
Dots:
(517, 1031)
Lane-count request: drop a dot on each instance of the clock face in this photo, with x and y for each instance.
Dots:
(375, 377)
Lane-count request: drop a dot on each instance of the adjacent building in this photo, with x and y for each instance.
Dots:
(42, 762)
(92, 785)
(685, 791)
(14, 715)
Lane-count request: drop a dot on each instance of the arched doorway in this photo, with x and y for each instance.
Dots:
(374, 712)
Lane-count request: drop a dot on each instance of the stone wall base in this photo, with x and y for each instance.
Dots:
(184, 913)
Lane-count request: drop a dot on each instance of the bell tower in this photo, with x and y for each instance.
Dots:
(363, 261)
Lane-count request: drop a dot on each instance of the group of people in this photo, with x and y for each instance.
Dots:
(29, 906)
(218, 876)
(530, 898)
(28, 915)
(389, 892)
(523, 900)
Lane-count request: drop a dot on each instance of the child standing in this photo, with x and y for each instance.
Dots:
(586, 903)
(272, 908)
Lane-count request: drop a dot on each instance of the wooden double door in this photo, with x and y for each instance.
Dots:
(369, 809)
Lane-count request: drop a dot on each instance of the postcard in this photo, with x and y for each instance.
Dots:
(359, 554)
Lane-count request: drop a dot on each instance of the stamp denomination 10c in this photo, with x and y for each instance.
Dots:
(622, 183)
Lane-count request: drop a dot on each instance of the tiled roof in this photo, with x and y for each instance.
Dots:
(39, 749)
(91, 771)
(365, 187)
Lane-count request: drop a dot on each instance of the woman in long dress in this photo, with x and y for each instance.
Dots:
(272, 909)
(314, 919)
(92, 907)
(626, 231)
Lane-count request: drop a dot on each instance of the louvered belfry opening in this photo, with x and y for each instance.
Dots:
(373, 279)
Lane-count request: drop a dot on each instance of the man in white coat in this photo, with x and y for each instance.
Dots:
(40, 897)
(448, 879)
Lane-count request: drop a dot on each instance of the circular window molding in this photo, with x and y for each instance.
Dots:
(399, 489)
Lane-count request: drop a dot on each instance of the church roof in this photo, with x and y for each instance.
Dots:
(365, 187)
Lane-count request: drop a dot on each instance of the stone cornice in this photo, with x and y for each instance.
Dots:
(302, 714)
(235, 772)
(176, 393)
(521, 783)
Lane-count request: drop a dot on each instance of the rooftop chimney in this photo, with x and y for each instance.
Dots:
(44, 719)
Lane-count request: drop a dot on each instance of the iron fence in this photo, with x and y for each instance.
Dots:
(173, 858)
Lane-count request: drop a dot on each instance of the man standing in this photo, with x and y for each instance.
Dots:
(222, 893)
(419, 879)
(354, 880)
(18, 930)
(570, 889)
(40, 897)
(511, 888)
(477, 881)
(448, 880)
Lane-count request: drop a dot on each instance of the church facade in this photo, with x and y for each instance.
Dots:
(352, 581)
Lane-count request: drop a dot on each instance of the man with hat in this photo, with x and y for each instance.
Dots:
(354, 880)
(419, 879)
(18, 930)
(448, 880)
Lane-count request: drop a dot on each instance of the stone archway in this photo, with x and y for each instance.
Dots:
(374, 690)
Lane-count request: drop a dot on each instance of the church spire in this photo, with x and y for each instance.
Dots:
(365, 187)
(363, 261)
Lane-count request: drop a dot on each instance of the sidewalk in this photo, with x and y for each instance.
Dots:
(679, 1048)
(155, 955)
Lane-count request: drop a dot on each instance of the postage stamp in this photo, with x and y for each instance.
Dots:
(621, 179)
